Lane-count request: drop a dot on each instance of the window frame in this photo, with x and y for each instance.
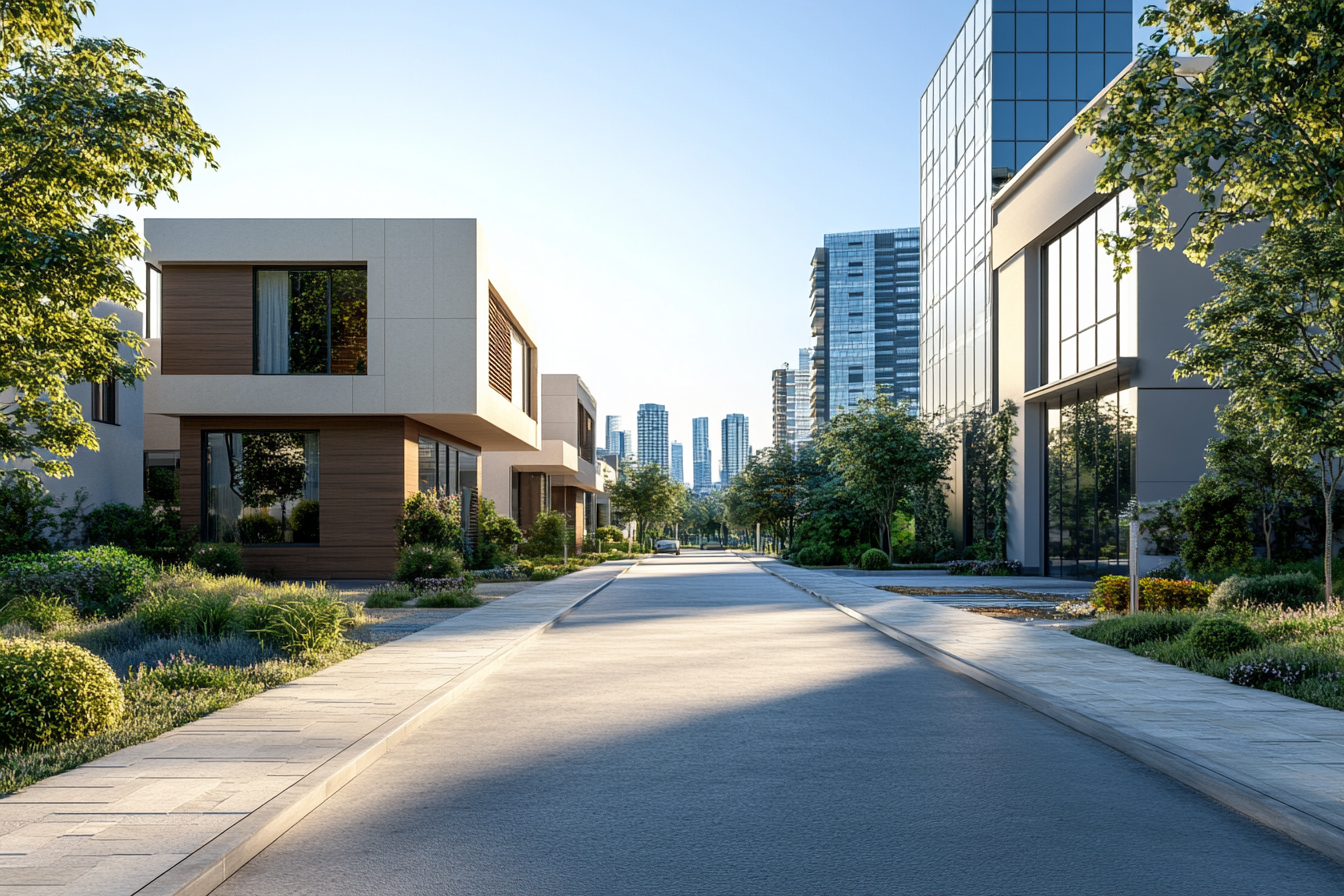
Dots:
(256, 329)
(103, 403)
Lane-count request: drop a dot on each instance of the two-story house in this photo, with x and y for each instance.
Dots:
(318, 371)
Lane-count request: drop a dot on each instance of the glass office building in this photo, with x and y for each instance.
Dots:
(702, 467)
(865, 319)
(1018, 72)
(736, 446)
(652, 436)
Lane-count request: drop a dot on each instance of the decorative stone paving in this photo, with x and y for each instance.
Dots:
(179, 813)
(1278, 760)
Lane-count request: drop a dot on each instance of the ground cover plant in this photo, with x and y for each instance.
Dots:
(195, 643)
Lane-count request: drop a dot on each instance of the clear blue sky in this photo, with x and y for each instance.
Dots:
(654, 178)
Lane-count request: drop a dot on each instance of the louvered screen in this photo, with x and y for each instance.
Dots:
(500, 352)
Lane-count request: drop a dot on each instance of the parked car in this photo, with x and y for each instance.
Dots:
(711, 546)
(666, 546)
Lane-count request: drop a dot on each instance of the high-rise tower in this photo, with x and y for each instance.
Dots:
(702, 468)
(736, 446)
(652, 436)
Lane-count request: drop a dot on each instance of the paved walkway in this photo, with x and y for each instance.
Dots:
(186, 808)
(699, 727)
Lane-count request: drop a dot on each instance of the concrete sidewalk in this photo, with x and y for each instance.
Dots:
(179, 813)
(1278, 760)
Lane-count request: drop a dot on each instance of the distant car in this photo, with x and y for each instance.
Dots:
(711, 546)
(666, 546)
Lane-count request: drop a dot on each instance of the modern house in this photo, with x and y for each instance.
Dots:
(318, 371)
(1086, 359)
(564, 475)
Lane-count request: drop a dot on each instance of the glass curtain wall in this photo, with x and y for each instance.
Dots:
(311, 321)
(1091, 442)
(261, 487)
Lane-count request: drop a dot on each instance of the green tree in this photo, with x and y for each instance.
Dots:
(81, 129)
(1217, 515)
(647, 495)
(1250, 128)
(883, 453)
(706, 514)
(1274, 337)
(771, 490)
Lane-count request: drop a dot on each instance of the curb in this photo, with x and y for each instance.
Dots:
(1286, 813)
(209, 866)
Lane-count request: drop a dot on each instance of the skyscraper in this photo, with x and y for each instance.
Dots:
(736, 447)
(628, 445)
(1014, 76)
(613, 434)
(865, 319)
(782, 386)
(800, 415)
(678, 472)
(652, 436)
(702, 468)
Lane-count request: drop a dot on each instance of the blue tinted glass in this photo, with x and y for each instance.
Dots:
(1061, 113)
(1025, 151)
(1003, 5)
(1090, 5)
(1002, 74)
(1003, 33)
(1003, 120)
(1031, 123)
(1091, 75)
(1062, 5)
(1031, 4)
(1061, 31)
(1031, 31)
(1119, 6)
(1115, 64)
(1119, 32)
(1063, 83)
(1090, 33)
(1004, 154)
(1031, 76)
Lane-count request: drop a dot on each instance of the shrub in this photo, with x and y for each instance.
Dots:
(508, 573)
(427, 561)
(1278, 666)
(184, 672)
(985, 567)
(304, 520)
(147, 531)
(814, 555)
(387, 596)
(874, 559)
(546, 535)
(218, 558)
(1111, 594)
(298, 624)
(499, 536)
(1129, 631)
(101, 580)
(260, 528)
(547, 573)
(451, 592)
(1216, 514)
(51, 691)
(1290, 589)
(1173, 570)
(30, 519)
(199, 614)
(609, 534)
(1219, 636)
(40, 612)
(430, 519)
(944, 555)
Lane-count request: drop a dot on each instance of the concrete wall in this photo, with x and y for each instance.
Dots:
(429, 288)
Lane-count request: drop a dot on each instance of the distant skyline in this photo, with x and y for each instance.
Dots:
(636, 169)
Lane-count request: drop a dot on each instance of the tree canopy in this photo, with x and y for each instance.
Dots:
(81, 129)
(1251, 128)
(771, 490)
(647, 495)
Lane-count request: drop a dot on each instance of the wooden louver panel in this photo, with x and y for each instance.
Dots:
(501, 352)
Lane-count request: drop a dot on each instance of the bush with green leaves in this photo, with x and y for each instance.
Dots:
(946, 555)
(1129, 631)
(260, 528)
(100, 581)
(151, 532)
(53, 691)
(300, 623)
(200, 614)
(32, 520)
(499, 537)
(1111, 593)
(1216, 514)
(432, 519)
(388, 596)
(873, 559)
(609, 534)
(427, 561)
(218, 558)
(1219, 636)
(547, 573)
(305, 521)
(456, 591)
(40, 612)
(546, 535)
(1290, 589)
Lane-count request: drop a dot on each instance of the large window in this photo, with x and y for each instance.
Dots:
(311, 321)
(1090, 481)
(1089, 318)
(103, 406)
(261, 487)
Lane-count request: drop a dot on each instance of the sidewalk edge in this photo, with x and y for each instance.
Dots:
(1276, 810)
(207, 867)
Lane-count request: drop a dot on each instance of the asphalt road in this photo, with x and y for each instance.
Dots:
(700, 727)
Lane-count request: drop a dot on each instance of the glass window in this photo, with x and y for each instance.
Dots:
(1031, 32)
(1061, 113)
(1091, 32)
(1004, 125)
(261, 487)
(1119, 33)
(103, 405)
(1003, 33)
(1031, 121)
(1032, 83)
(311, 321)
(1063, 76)
(1062, 27)
(1091, 75)
(153, 303)
(1026, 150)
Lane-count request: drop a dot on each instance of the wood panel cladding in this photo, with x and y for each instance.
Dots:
(362, 484)
(207, 320)
(501, 351)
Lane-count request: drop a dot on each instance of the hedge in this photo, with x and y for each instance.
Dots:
(1111, 594)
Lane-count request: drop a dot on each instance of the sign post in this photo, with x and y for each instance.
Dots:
(1133, 566)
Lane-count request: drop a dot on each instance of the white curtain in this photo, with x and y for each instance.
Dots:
(310, 459)
(273, 321)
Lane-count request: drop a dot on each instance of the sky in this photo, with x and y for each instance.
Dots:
(653, 178)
